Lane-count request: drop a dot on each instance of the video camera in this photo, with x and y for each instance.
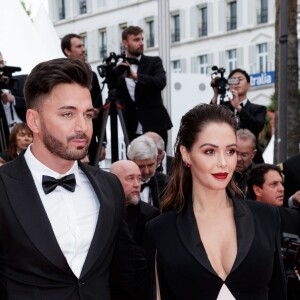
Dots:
(221, 82)
(112, 68)
(290, 248)
(6, 80)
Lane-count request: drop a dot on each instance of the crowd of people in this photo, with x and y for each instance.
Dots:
(211, 221)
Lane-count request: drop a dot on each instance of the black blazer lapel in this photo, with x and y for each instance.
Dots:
(189, 234)
(105, 219)
(31, 214)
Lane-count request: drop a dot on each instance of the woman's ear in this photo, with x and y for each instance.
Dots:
(185, 154)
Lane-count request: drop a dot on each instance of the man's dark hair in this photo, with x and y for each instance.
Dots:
(240, 71)
(66, 41)
(256, 176)
(131, 30)
(46, 75)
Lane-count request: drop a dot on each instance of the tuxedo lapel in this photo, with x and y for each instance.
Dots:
(105, 219)
(31, 214)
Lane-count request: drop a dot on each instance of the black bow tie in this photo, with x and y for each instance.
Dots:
(49, 183)
(133, 61)
(145, 184)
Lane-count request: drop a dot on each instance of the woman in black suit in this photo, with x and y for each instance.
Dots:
(207, 244)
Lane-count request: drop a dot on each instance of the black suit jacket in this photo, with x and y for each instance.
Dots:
(20, 106)
(291, 171)
(157, 184)
(148, 107)
(137, 217)
(290, 220)
(32, 265)
(97, 123)
(185, 272)
(252, 117)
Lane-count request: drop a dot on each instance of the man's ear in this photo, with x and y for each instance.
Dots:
(257, 191)
(33, 120)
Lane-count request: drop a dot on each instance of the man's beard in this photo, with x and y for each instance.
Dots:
(133, 199)
(60, 149)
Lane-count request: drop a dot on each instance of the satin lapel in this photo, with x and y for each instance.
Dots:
(245, 230)
(31, 214)
(105, 219)
(190, 237)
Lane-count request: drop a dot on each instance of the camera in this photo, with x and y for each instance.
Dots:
(290, 248)
(112, 68)
(221, 82)
(6, 80)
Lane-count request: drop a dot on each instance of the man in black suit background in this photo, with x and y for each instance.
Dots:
(251, 116)
(142, 150)
(138, 213)
(141, 91)
(61, 221)
(12, 106)
(265, 184)
(73, 47)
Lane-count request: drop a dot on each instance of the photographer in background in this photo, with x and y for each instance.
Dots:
(73, 47)
(141, 91)
(13, 105)
(251, 116)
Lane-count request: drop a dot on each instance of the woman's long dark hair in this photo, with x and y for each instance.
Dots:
(192, 123)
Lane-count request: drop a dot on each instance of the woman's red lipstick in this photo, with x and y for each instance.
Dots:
(220, 175)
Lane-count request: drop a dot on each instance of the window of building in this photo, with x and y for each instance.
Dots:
(82, 7)
(231, 60)
(202, 27)
(262, 57)
(122, 26)
(232, 15)
(150, 33)
(61, 9)
(175, 66)
(202, 64)
(102, 43)
(175, 28)
(262, 13)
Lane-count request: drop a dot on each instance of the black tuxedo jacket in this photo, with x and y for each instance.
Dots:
(291, 171)
(32, 265)
(252, 117)
(184, 269)
(290, 220)
(148, 106)
(137, 217)
(20, 106)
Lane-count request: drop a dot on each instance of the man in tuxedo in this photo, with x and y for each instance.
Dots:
(12, 106)
(61, 220)
(73, 47)
(141, 91)
(246, 150)
(138, 212)
(164, 161)
(251, 116)
(143, 152)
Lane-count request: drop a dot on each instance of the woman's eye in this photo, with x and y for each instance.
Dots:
(231, 151)
(209, 151)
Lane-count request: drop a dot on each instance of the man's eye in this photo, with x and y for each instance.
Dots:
(67, 114)
(90, 116)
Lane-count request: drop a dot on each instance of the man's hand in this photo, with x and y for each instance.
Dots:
(235, 101)
(7, 98)
(215, 89)
(132, 74)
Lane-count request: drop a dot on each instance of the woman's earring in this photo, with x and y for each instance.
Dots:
(186, 164)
